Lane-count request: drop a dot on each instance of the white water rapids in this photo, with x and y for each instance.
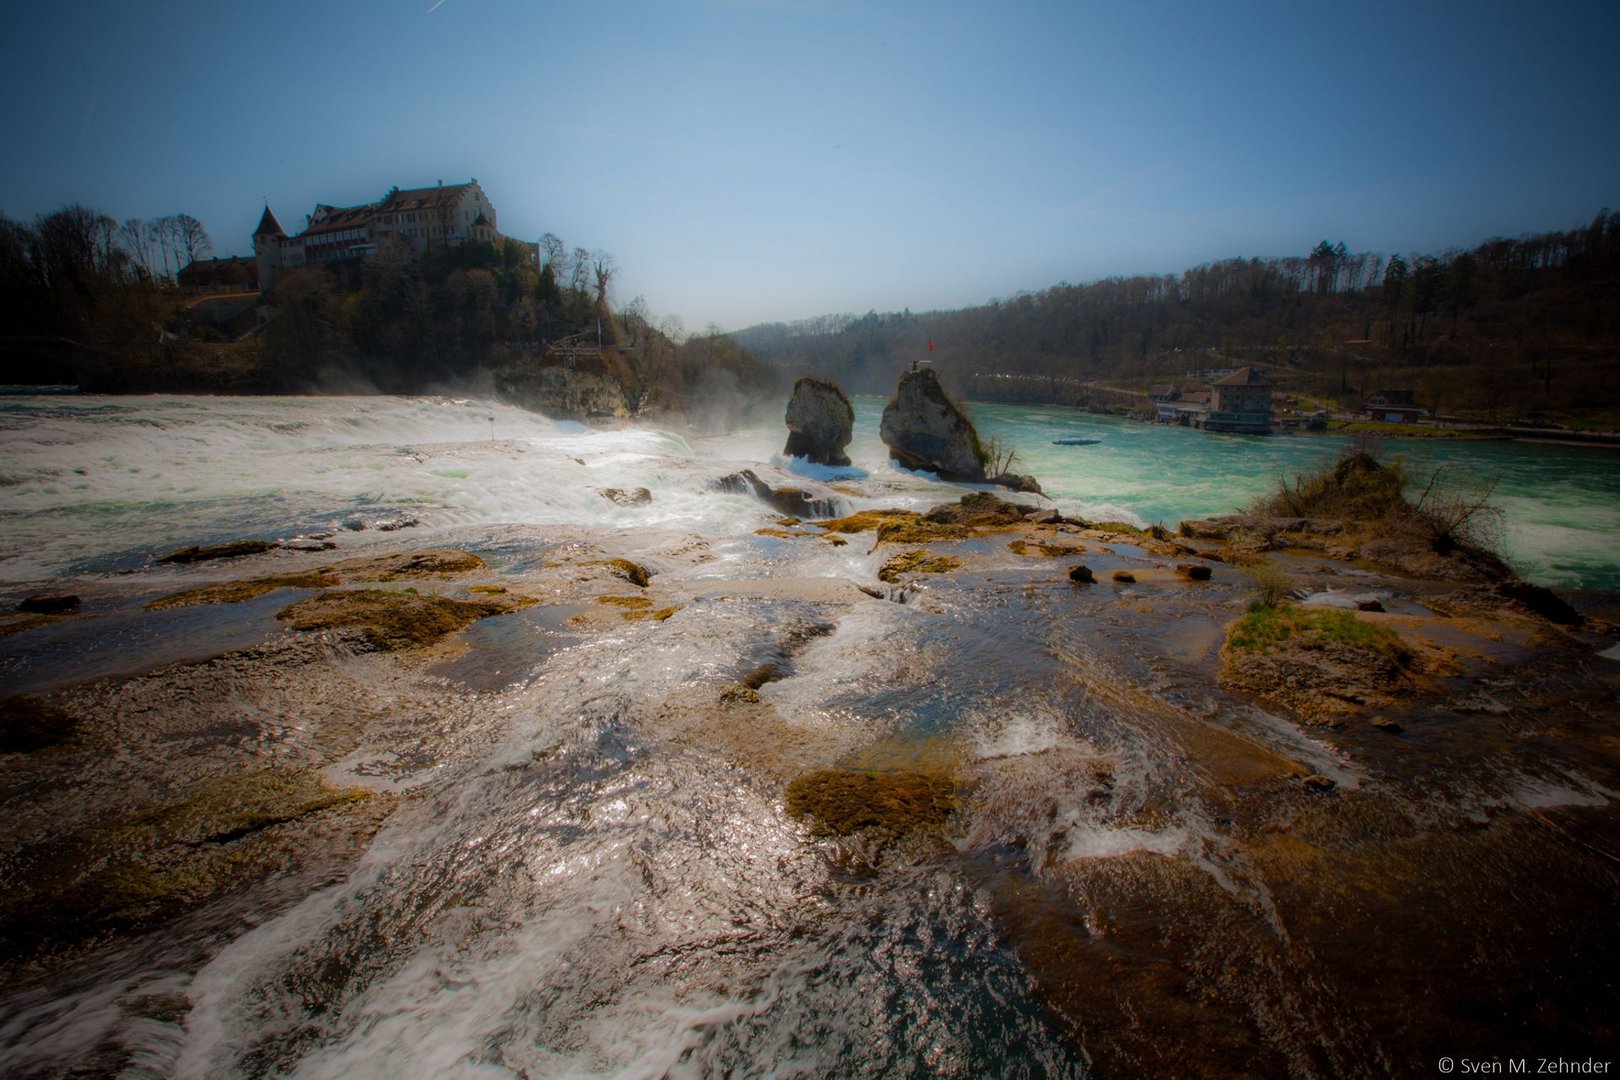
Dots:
(570, 893)
(585, 864)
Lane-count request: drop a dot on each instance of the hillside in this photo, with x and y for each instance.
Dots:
(1525, 328)
(80, 305)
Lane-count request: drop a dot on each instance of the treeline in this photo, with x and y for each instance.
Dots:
(85, 299)
(403, 322)
(77, 273)
(1511, 326)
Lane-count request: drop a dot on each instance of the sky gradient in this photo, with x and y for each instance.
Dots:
(761, 160)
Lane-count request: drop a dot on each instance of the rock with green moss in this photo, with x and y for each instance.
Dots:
(1320, 664)
(924, 429)
(395, 620)
(917, 562)
(980, 509)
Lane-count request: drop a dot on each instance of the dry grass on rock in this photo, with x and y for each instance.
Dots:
(1318, 664)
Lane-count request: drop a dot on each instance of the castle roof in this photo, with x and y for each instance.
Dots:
(334, 218)
(439, 197)
(1243, 376)
(268, 225)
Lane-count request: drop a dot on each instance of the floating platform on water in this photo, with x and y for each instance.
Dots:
(1075, 440)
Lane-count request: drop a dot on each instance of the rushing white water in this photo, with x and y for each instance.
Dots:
(580, 896)
(94, 483)
(580, 890)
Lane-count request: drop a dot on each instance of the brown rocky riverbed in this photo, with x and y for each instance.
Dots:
(1371, 825)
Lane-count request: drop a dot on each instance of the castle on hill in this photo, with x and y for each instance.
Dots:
(445, 215)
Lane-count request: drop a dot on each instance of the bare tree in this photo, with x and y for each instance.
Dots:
(136, 236)
(552, 252)
(579, 270)
(636, 318)
(603, 270)
(166, 235)
(673, 328)
(192, 238)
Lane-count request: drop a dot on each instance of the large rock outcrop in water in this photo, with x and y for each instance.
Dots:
(924, 429)
(820, 421)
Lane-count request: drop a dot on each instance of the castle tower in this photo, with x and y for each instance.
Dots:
(267, 240)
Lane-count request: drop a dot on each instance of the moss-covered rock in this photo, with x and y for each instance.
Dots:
(1320, 664)
(395, 620)
(980, 509)
(220, 834)
(917, 562)
(839, 802)
(432, 563)
(657, 614)
(233, 592)
(628, 602)
(634, 573)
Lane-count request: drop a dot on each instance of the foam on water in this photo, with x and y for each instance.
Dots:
(1103, 843)
(89, 482)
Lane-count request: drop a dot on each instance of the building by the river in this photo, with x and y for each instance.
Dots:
(1241, 403)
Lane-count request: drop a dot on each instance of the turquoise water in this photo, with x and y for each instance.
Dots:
(1561, 503)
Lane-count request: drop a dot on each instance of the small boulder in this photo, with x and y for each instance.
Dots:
(1543, 601)
(233, 550)
(1124, 577)
(792, 501)
(1318, 783)
(1386, 725)
(820, 422)
(1369, 605)
(1018, 482)
(44, 604)
(1082, 575)
(980, 508)
(1193, 571)
(1043, 517)
(627, 497)
(1216, 528)
(924, 429)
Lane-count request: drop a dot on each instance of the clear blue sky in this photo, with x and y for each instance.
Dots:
(756, 160)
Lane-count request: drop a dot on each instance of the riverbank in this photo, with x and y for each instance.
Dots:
(274, 836)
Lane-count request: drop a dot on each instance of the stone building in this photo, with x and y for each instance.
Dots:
(1240, 402)
(419, 218)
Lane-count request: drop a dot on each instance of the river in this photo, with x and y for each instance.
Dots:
(589, 870)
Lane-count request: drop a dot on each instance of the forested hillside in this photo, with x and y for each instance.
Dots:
(86, 300)
(1510, 328)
